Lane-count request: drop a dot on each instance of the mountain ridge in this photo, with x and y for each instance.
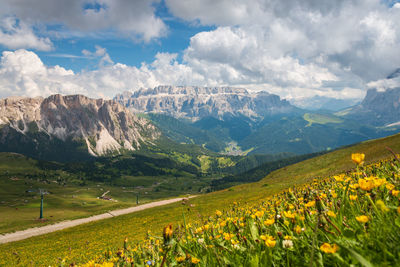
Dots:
(194, 102)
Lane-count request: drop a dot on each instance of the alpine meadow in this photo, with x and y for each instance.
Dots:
(199, 133)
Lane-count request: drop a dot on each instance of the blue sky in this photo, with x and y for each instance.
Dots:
(301, 50)
(68, 52)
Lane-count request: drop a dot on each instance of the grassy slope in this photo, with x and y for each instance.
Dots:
(20, 199)
(98, 236)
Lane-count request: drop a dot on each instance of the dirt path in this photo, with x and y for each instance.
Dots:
(19, 235)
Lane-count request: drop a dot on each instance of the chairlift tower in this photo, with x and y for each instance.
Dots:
(41, 203)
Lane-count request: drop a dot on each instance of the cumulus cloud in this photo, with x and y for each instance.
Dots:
(295, 43)
(133, 19)
(14, 35)
(295, 48)
(23, 73)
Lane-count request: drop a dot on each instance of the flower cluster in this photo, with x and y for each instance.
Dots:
(346, 219)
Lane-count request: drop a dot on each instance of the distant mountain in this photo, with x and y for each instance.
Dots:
(394, 74)
(234, 121)
(379, 108)
(310, 133)
(70, 127)
(324, 103)
(195, 103)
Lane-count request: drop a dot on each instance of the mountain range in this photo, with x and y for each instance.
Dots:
(233, 120)
(226, 120)
(194, 103)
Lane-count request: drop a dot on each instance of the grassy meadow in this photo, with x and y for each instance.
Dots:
(83, 243)
(68, 198)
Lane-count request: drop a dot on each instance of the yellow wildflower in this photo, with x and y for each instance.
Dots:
(358, 158)
(331, 214)
(289, 214)
(269, 222)
(218, 213)
(297, 229)
(269, 240)
(353, 197)
(195, 260)
(328, 248)
(259, 214)
(167, 232)
(234, 242)
(366, 185)
(354, 186)
(339, 178)
(362, 219)
(390, 186)
(180, 258)
(395, 192)
(310, 204)
(228, 236)
(379, 182)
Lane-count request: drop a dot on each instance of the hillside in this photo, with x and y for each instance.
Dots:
(135, 226)
(313, 132)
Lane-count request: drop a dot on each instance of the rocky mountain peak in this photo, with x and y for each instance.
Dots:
(194, 102)
(378, 108)
(103, 125)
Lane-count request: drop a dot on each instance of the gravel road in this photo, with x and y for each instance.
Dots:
(19, 235)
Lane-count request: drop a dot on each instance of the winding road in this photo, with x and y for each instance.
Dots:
(20, 235)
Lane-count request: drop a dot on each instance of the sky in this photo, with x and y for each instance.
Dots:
(298, 49)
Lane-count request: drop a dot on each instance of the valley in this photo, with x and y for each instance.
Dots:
(92, 156)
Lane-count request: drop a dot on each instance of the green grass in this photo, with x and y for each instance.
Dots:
(71, 198)
(98, 236)
(327, 225)
(205, 162)
(321, 118)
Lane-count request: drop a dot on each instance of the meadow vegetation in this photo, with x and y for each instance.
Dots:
(349, 219)
(91, 241)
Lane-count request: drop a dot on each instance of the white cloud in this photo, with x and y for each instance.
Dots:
(23, 73)
(14, 35)
(347, 36)
(384, 84)
(101, 53)
(132, 19)
(292, 48)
